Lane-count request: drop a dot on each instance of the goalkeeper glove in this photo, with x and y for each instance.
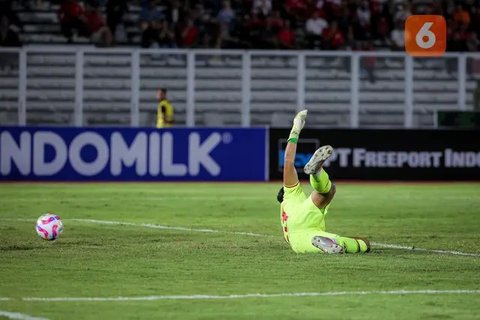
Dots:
(298, 123)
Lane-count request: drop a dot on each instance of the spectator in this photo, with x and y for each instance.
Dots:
(212, 35)
(72, 20)
(264, 7)
(158, 35)
(164, 109)
(319, 6)
(200, 16)
(203, 22)
(8, 37)
(226, 14)
(286, 36)
(449, 8)
(475, 20)
(472, 42)
(364, 14)
(334, 38)
(460, 36)
(150, 35)
(221, 32)
(382, 31)
(275, 21)
(254, 27)
(376, 7)
(14, 21)
(166, 37)
(187, 34)
(149, 13)
(461, 16)
(223, 37)
(471, 63)
(115, 10)
(346, 19)
(400, 13)
(397, 37)
(315, 26)
(98, 31)
(297, 9)
(362, 22)
(334, 8)
(451, 29)
(174, 13)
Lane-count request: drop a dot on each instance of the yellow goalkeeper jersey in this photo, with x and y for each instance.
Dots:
(164, 114)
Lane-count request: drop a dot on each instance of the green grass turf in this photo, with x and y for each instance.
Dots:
(92, 260)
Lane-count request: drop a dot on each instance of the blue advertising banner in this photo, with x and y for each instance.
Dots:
(133, 154)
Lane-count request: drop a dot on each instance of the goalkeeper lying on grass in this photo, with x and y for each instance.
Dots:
(303, 218)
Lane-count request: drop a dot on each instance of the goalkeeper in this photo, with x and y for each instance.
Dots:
(302, 217)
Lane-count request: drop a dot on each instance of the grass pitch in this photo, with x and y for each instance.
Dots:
(112, 260)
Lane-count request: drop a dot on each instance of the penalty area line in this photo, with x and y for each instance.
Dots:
(451, 252)
(18, 316)
(158, 226)
(248, 295)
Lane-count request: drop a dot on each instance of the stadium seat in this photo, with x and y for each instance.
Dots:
(213, 119)
(107, 86)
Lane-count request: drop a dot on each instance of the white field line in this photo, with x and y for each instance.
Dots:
(18, 316)
(157, 226)
(248, 295)
(452, 252)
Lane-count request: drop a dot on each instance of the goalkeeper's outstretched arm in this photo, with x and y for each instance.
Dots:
(290, 177)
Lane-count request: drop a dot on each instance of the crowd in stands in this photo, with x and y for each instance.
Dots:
(259, 24)
(88, 22)
(10, 26)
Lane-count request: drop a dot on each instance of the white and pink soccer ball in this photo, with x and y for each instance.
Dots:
(49, 226)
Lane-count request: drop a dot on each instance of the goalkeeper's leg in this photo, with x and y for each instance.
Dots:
(332, 243)
(321, 197)
(319, 179)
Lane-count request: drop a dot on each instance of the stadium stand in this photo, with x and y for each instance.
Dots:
(51, 93)
(218, 79)
(247, 24)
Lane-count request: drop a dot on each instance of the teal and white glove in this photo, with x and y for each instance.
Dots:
(298, 123)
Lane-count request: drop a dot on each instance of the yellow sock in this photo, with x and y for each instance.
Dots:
(354, 245)
(320, 181)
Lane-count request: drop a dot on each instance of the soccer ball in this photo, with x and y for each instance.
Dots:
(49, 226)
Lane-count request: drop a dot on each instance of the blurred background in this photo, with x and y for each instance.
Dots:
(226, 63)
(239, 63)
